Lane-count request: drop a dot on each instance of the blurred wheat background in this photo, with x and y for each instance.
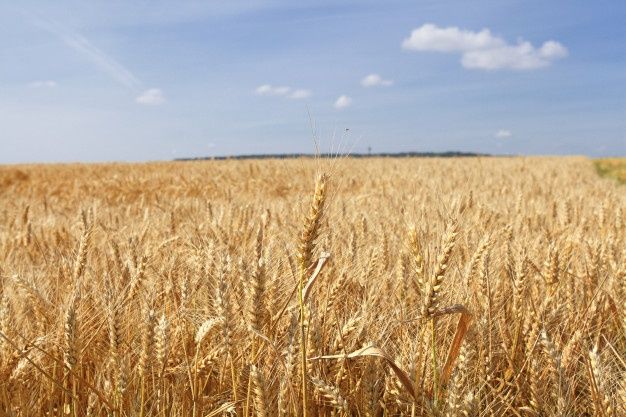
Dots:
(376, 287)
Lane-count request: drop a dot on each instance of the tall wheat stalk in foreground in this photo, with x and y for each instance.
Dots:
(306, 247)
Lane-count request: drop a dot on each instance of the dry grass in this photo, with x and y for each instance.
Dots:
(473, 287)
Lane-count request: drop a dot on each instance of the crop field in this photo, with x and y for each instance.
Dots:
(371, 287)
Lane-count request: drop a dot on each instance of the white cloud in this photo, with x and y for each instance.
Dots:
(263, 89)
(270, 90)
(283, 91)
(151, 97)
(342, 102)
(522, 56)
(482, 50)
(43, 84)
(430, 37)
(300, 94)
(552, 50)
(503, 134)
(374, 80)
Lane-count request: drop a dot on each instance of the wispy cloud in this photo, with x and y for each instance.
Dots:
(300, 94)
(343, 102)
(284, 91)
(270, 90)
(42, 84)
(151, 97)
(375, 80)
(87, 49)
(503, 134)
(483, 50)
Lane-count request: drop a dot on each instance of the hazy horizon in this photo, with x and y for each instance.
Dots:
(161, 80)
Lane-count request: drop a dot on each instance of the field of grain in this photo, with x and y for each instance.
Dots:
(415, 287)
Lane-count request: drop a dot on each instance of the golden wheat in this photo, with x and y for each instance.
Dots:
(416, 287)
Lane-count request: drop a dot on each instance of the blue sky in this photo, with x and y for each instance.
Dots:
(156, 80)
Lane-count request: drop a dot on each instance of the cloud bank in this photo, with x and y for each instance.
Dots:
(483, 50)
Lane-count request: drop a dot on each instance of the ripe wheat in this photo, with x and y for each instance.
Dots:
(416, 287)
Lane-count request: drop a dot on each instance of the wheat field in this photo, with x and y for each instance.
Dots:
(374, 287)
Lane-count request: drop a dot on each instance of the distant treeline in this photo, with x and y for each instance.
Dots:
(449, 154)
